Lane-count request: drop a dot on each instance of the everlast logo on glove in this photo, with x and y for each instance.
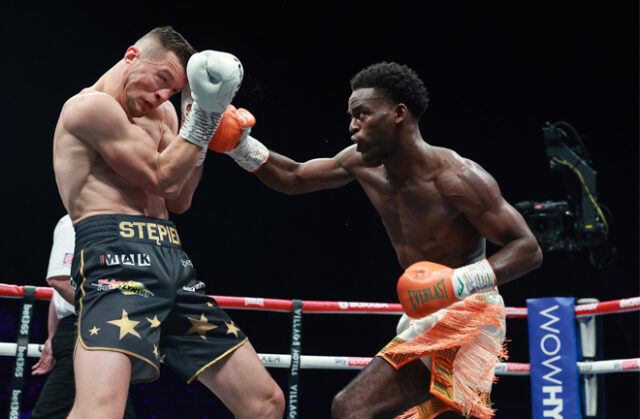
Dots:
(421, 296)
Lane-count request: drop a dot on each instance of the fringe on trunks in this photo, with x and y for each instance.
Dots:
(465, 344)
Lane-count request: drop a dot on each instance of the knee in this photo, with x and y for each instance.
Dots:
(98, 408)
(270, 406)
(340, 406)
(276, 403)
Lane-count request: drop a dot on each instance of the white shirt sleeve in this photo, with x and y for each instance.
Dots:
(64, 240)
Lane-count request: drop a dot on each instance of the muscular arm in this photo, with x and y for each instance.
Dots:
(100, 121)
(62, 284)
(477, 195)
(290, 177)
(182, 202)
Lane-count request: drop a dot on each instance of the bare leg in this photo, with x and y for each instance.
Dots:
(243, 384)
(380, 391)
(102, 384)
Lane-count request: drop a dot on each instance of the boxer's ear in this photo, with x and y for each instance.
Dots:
(131, 53)
(401, 112)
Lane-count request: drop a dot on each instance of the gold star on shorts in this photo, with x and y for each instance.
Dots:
(126, 326)
(232, 328)
(155, 351)
(200, 326)
(94, 331)
(210, 304)
(154, 322)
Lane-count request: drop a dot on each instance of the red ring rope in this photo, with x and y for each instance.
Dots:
(272, 304)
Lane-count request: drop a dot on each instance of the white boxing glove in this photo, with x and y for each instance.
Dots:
(214, 78)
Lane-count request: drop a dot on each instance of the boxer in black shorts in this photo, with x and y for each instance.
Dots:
(119, 148)
(137, 293)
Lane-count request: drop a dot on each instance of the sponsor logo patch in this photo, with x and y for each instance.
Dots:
(250, 301)
(195, 287)
(131, 259)
(630, 302)
(125, 287)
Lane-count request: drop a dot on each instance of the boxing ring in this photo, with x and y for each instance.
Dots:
(586, 311)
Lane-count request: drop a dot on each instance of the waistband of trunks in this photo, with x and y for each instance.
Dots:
(136, 228)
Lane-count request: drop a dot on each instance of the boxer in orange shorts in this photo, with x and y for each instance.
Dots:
(436, 206)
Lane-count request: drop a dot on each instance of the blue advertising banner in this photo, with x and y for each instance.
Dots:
(553, 358)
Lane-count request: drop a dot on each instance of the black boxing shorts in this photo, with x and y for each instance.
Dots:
(137, 293)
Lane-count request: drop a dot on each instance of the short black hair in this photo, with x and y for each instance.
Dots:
(397, 82)
(172, 40)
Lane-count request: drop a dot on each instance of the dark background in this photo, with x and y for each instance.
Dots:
(495, 71)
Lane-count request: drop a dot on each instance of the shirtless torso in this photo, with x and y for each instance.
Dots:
(436, 206)
(87, 184)
(418, 213)
(119, 161)
(116, 148)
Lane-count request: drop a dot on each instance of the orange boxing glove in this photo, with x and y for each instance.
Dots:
(426, 287)
(234, 127)
(232, 138)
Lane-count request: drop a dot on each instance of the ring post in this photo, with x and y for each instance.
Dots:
(588, 342)
(17, 380)
(296, 349)
(553, 358)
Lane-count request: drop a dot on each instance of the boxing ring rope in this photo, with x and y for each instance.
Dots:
(296, 360)
(358, 363)
(328, 307)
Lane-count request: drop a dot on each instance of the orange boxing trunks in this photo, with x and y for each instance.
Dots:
(460, 345)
